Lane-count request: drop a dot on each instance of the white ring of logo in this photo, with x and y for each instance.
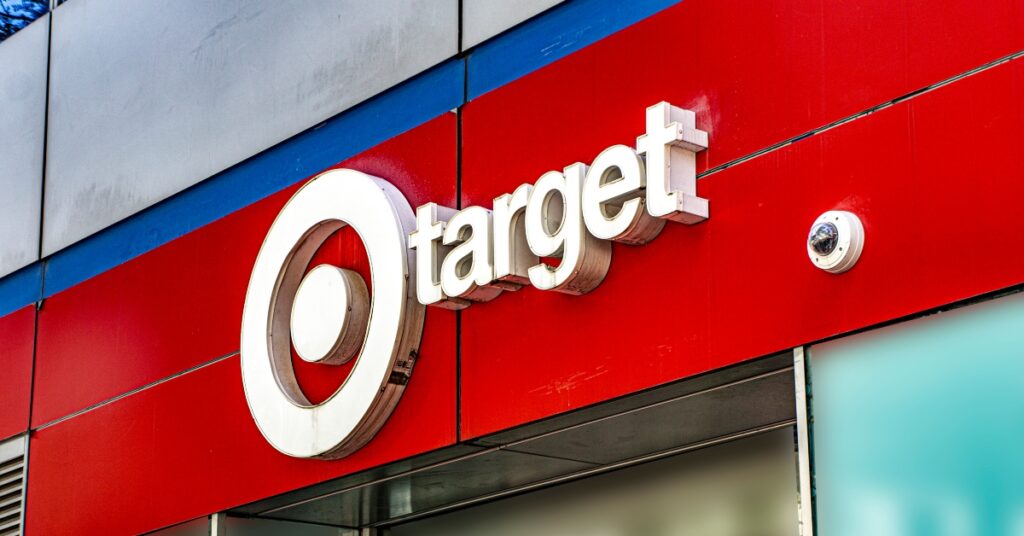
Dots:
(383, 219)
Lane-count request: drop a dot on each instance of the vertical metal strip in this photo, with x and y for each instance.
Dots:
(459, 119)
(24, 482)
(217, 525)
(806, 510)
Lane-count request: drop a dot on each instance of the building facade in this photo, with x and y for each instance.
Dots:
(719, 375)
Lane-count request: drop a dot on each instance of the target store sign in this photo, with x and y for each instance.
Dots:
(440, 257)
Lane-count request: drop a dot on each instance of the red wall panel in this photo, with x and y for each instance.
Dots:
(937, 201)
(17, 331)
(756, 73)
(180, 305)
(189, 447)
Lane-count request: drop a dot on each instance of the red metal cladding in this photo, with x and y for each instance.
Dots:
(17, 330)
(698, 297)
(189, 447)
(756, 73)
(180, 305)
(937, 202)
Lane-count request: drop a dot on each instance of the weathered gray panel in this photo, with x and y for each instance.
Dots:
(22, 127)
(483, 19)
(148, 98)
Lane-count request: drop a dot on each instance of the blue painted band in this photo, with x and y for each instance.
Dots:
(387, 115)
(21, 288)
(552, 36)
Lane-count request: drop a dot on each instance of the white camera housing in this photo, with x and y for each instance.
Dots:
(849, 241)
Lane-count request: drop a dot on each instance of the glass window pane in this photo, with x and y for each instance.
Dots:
(918, 427)
(743, 488)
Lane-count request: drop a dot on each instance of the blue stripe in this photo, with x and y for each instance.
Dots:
(387, 115)
(21, 288)
(552, 36)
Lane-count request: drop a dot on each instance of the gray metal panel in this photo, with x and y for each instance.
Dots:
(725, 411)
(745, 487)
(148, 98)
(380, 473)
(433, 487)
(22, 127)
(12, 448)
(238, 526)
(222, 525)
(483, 19)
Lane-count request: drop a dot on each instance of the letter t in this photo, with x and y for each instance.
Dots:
(670, 146)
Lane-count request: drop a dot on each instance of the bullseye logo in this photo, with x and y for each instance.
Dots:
(327, 315)
(554, 235)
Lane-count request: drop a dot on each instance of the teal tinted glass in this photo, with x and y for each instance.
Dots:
(918, 428)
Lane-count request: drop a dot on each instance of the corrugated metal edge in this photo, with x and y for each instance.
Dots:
(13, 450)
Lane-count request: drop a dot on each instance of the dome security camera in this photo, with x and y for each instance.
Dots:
(835, 241)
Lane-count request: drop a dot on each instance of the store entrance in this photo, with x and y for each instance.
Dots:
(745, 487)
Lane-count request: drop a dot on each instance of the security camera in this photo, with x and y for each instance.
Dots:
(835, 241)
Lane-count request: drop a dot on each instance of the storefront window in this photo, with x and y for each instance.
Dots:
(918, 427)
(742, 488)
(225, 525)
